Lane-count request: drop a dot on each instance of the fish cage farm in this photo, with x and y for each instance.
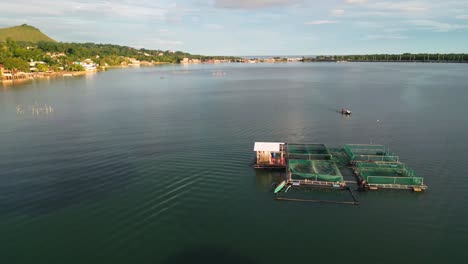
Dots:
(371, 167)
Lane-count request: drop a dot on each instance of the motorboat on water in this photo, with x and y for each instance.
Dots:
(345, 111)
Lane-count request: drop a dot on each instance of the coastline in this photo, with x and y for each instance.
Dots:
(21, 77)
(42, 75)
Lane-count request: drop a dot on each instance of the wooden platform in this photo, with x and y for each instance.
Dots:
(316, 183)
(269, 166)
(397, 186)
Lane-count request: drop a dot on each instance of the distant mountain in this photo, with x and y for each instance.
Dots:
(24, 33)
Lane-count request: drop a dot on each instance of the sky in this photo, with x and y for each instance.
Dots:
(252, 27)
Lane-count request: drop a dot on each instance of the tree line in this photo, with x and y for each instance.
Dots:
(405, 57)
(61, 55)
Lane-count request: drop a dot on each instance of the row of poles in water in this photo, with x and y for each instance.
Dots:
(35, 109)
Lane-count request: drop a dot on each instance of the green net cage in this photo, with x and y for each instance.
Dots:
(388, 173)
(308, 152)
(319, 170)
(366, 152)
(339, 156)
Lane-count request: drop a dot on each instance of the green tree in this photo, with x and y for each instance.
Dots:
(17, 64)
(76, 67)
(41, 68)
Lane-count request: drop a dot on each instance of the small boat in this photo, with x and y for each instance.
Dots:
(345, 111)
(280, 187)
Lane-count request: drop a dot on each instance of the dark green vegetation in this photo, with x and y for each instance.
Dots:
(405, 57)
(23, 33)
(17, 49)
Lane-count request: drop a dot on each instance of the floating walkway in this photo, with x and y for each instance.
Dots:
(370, 167)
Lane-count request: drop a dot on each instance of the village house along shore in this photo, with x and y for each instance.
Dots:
(89, 66)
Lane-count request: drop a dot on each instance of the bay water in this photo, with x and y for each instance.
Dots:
(154, 164)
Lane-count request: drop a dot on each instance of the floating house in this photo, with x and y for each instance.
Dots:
(270, 155)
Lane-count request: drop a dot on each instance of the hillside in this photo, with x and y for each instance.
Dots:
(24, 33)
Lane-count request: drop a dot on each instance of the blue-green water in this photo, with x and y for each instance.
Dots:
(153, 165)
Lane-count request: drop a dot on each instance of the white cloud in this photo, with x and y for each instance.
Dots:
(84, 9)
(337, 12)
(214, 26)
(169, 42)
(462, 17)
(321, 22)
(387, 36)
(356, 1)
(369, 24)
(19, 8)
(436, 26)
(166, 43)
(409, 6)
(253, 4)
(395, 29)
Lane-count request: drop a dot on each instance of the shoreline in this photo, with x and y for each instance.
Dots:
(42, 75)
(22, 77)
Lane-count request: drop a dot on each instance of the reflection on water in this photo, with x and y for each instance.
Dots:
(14, 83)
(266, 179)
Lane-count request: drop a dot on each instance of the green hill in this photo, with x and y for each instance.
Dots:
(24, 33)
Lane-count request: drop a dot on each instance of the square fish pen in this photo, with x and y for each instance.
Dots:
(369, 153)
(308, 152)
(314, 172)
(391, 175)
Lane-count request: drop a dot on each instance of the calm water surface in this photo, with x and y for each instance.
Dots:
(153, 165)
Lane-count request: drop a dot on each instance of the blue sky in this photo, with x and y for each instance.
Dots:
(252, 27)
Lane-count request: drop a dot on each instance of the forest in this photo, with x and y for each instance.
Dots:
(61, 55)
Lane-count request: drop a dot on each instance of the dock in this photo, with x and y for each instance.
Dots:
(365, 166)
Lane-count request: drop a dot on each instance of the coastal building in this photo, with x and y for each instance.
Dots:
(87, 64)
(56, 55)
(134, 62)
(191, 61)
(33, 64)
(7, 75)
